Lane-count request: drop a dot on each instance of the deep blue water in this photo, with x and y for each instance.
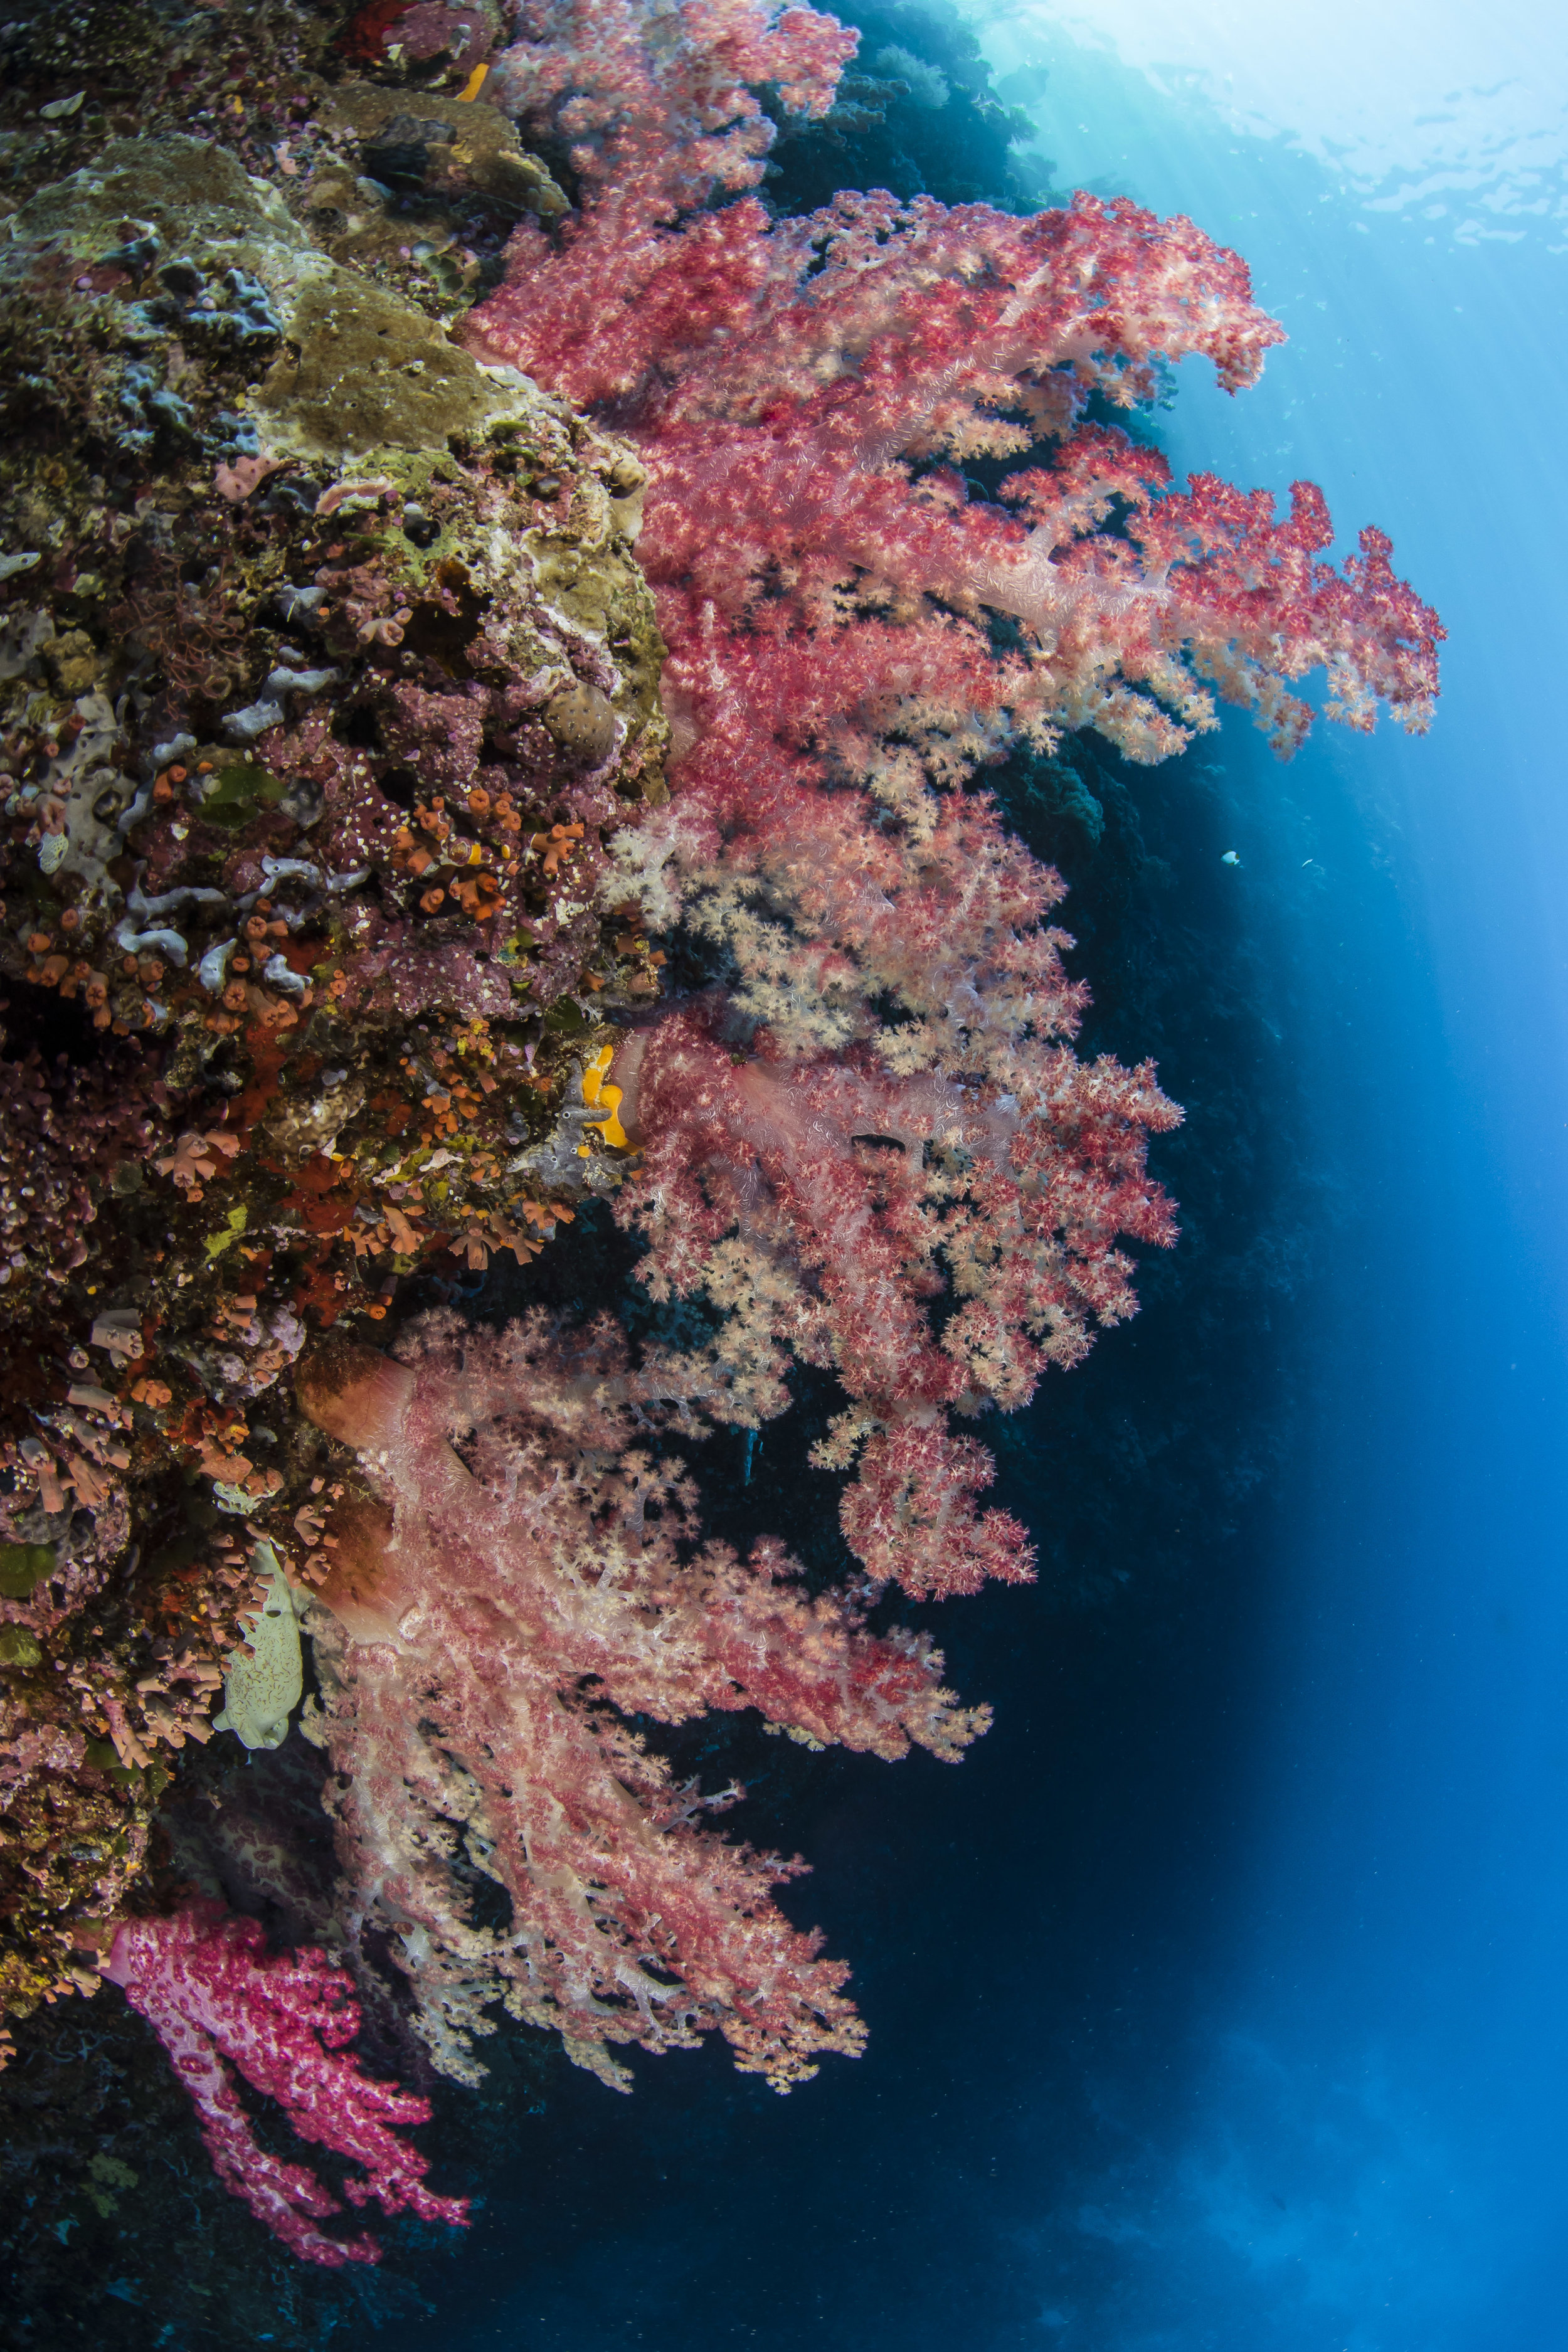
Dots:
(1373, 2156)
(1218, 2000)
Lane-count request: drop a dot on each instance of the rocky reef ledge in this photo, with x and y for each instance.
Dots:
(328, 682)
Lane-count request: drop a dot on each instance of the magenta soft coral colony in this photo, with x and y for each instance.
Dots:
(856, 1134)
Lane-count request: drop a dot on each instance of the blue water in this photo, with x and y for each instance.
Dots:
(1373, 2152)
(1219, 2001)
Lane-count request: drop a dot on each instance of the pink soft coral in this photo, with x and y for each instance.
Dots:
(870, 1144)
(530, 1576)
(824, 1201)
(793, 386)
(867, 1142)
(204, 1983)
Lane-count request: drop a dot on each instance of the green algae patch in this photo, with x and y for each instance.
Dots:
(238, 1221)
(17, 1647)
(107, 2174)
(566, 1018)
(262, 1690)
(184, 191)
(237, 791)
(475, 145)
(23, 1566)
(362, 368)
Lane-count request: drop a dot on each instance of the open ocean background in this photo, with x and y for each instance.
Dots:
(1219, 1999)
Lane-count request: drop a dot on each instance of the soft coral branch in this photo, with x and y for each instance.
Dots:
(789, 382)
(532, 1575)
(841, 1198)
(214, 1998)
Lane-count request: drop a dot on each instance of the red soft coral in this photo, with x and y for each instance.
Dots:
(208, 1989)
(791, 384)
(867, 1140)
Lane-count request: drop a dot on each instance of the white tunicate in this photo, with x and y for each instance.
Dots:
(213, 969)
(245, 726)
(282, 973)
(300, 682)
(168, 899)
(262, 1691)
(158, 943)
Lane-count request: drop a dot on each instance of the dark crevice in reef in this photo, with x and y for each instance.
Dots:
(56, 1029)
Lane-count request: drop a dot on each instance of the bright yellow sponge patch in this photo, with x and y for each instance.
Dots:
(594, 1075)
(607, 1097)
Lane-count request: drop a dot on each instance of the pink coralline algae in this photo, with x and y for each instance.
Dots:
(215, 2000)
